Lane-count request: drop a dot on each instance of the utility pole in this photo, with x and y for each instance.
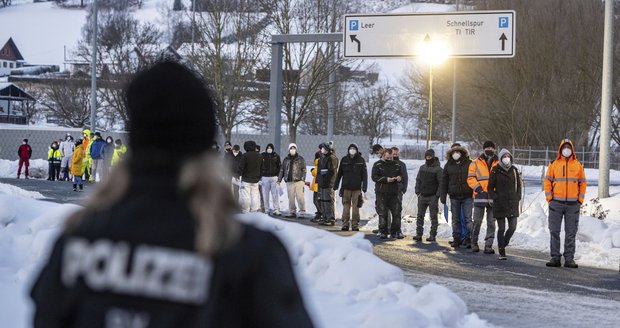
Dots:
(453, 129)
(606, 103)
(93, 72)
(193, 23)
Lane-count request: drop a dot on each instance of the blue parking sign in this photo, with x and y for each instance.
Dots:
(503, 22)
(353, 25)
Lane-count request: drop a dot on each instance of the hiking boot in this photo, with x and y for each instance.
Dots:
(475, 248)
(383, 235)
(502, 254)
(417, 238)
(398, 235)
(489, 250)
(570, 264)
(554, 262)
(345, 228)
(431, 239)
(455, 244)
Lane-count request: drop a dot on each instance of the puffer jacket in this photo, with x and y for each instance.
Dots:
(77, 161)
(292, 167)
(428, 180)
(565, 180)
(271, 164)
(505, 189)
(314, 186)
(382, 170)
(454, 181)
(66, 148)
(353, 172)
(54, 155)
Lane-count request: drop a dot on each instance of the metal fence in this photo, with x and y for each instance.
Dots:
(534, 156)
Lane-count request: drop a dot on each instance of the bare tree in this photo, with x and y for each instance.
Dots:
(306, 65)
(125, 45)
(373, 108)
(68, 100)
(230, 46)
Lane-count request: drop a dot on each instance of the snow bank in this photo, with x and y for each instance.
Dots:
(38, 168)
(343, 283)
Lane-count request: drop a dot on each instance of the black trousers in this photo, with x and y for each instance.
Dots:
(389, 203)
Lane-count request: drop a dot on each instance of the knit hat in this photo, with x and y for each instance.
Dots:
(488, 144)
(26, 140)
(429, 153)
(291, 145)
(456, 144)
(170, 111)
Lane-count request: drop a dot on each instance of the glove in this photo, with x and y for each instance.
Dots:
(478, 189)
(443, 199)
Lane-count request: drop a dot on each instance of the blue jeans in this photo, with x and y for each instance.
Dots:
(456, 205)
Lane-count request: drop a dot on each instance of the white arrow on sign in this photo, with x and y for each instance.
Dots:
(472, 34)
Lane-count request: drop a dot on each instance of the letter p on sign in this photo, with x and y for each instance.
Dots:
(353, 25)
(503, 22)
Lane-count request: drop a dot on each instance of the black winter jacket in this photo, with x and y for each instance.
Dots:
(109, 269)
(353, 172)
(404, 182)
(429, 178)
(454, 182)
(233, 162)
(292, 167)
(251, 163)
(271, 164)
(382, 170)
(505, 190)
(327, 170)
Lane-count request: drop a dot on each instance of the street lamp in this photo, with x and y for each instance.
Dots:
(432, 52)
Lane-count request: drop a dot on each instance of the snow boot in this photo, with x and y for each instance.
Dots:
(431, 239)
(570, 264)
(554, 262)
(417, 238)
(475, 248)
(456, 243)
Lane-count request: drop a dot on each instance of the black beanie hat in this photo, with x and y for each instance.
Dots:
(169, 108)
(488, 144)
(430, 153)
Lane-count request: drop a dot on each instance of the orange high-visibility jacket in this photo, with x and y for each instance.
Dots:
(479, 174)
(566, 179)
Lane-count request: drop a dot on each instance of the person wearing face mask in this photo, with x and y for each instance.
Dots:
(250, 167)
(227, 147)
(354, 175)
(386, 175)
(108, 155)
(505, 190)
(269, 180)
(24, 152)
(427, 184)
(478, 180)
(327, 170)
(54, 157)
(234, 159)
(66, 150)
(565, 190)
(293, 172)
(454, 184)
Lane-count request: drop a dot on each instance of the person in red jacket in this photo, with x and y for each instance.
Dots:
(24, 152)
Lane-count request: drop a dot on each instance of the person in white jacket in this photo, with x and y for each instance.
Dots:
(66, 150)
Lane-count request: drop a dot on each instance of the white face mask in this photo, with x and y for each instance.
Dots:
(269, 150)
(566, 152)
(506, 160)
(456, 156)
(235, 153)
(323, 151)
(292, 152)
(352, 152)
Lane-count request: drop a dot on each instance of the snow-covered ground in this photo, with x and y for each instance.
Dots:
(328, 268)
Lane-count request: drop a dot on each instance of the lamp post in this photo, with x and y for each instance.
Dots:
(433, 52)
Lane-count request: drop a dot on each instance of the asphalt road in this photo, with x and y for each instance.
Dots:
(501, 292)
